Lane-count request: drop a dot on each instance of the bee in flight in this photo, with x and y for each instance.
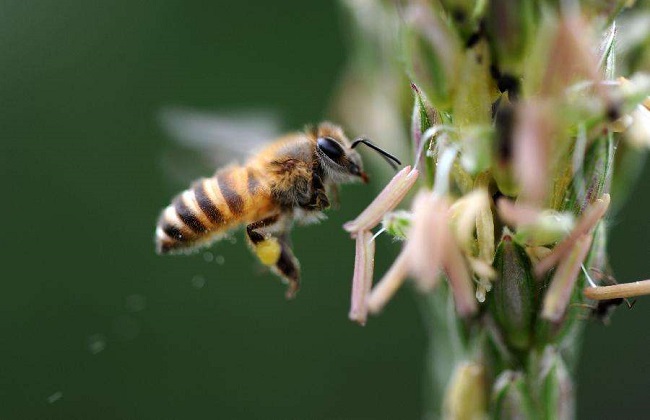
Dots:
(291, 179)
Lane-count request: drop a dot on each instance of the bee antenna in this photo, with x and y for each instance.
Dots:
(392, 160)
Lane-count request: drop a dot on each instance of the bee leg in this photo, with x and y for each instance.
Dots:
(264, 245)
(318, 200)
(275, 252)
(288, 269)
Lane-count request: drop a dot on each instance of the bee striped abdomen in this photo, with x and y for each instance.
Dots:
(190, 215)
(207, 204)
(209, 208)
(228, 186)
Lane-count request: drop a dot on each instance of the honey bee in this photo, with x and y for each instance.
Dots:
(288, 181)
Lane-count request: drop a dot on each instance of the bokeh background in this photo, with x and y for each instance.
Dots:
(94, 325)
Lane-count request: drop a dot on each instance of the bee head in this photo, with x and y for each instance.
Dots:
(339, 161)
(338, 158)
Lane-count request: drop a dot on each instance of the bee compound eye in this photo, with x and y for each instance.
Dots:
(331, 148)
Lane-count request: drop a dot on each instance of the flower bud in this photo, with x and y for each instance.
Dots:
(556, 393)
(397, 224)
(549, 228)
(639, 131)
(564, 278)
(465, 397)
(512, 301)
(424, 117)
(594, 178)
(511, 397)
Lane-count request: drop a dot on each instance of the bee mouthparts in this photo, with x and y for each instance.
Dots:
(364, 177)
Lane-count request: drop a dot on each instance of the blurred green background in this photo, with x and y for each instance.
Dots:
(95, 325)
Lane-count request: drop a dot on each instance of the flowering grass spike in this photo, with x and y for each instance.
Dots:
(528, 121)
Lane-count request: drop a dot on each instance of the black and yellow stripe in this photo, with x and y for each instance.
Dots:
(210, 207)
(227, 186)
(206, 204)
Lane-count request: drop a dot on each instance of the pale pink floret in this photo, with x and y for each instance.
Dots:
(386, 201)
(571, 58)
(389, 284)
(639, 130)
(431, 248)
(589, 219)
(459, 280)
(559, 293)
(364, 263)
(517, 214)
(533, 134)
(617, 291)
(428, 236)
(465, 213)
(422, 254)
(481, 268)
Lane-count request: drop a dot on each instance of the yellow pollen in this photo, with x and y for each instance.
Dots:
(268, 251)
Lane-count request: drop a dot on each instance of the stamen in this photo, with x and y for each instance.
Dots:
(559, 293)
(578, 160)
(485, 234)
(535, 227)
(465, 212)
(364, 263)
(428, 236)
(482, 269)
(443, 169)
(517, 214)
(618, 291)
(389, 284)
(532, 135)
(639, 131)
(459, 280)
(585, 224)
(386, 201)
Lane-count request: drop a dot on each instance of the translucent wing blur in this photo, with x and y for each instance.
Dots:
(205, 141)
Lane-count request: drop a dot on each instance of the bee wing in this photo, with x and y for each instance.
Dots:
(207, 140)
